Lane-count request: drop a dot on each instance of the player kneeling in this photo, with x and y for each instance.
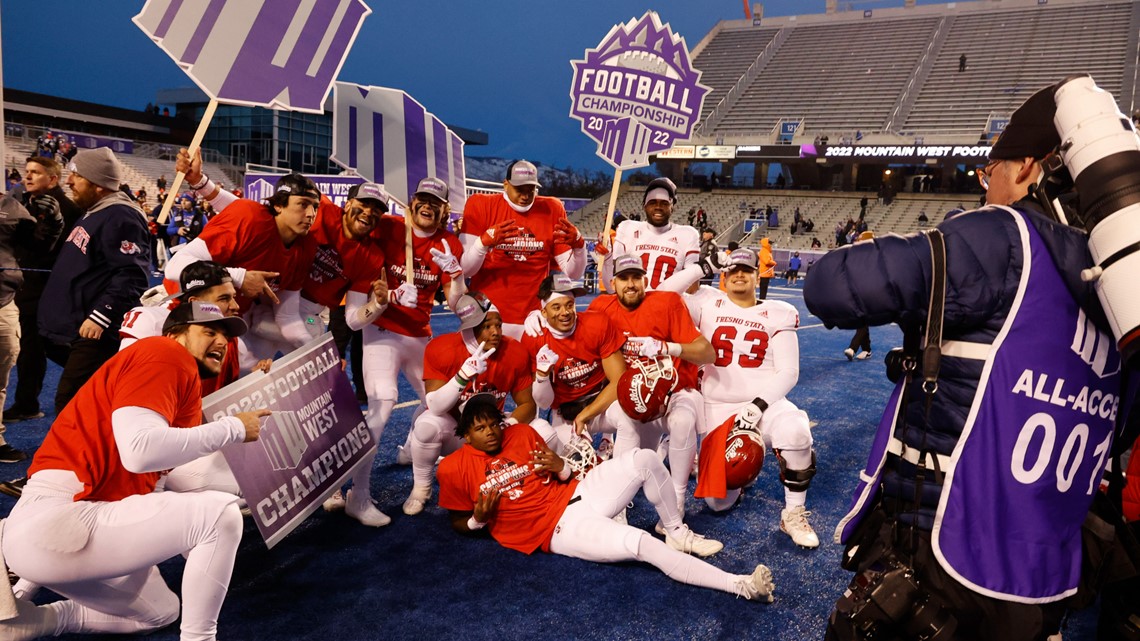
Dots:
(506, 480)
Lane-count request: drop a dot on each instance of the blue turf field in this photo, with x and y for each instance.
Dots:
(335, 579)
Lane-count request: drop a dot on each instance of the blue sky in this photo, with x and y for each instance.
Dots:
(501, 66)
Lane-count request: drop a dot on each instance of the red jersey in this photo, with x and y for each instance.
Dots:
(508, 369)
(155, 373)
(339, 263)
(512, 272)
(245, 235)
(428, 276)
(530, 506)
(578, 372)
(662, 315)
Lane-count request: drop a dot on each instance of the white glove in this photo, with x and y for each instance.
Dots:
(446, 261)
(545, 359)
(711, 264)
(406, 295)
(648, 347)
(534, 324)
(749, 416)
(476, 363)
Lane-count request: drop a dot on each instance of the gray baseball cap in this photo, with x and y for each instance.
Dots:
(522, 172)
(744, 258)
(200, 313)
(370, 191)
(432, 187)
(626, 263)
(472, 308)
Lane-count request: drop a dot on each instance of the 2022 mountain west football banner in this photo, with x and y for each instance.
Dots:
(308, 446)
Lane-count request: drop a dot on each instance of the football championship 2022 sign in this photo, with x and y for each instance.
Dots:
(637, 93)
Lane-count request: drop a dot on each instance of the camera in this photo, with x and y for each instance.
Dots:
(886, 602)
(1101, 151)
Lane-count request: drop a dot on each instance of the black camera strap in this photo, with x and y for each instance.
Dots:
(931, 359)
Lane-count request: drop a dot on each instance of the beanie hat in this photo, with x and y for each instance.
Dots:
(99, 166)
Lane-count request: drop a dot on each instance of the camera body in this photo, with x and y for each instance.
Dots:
(886, 601)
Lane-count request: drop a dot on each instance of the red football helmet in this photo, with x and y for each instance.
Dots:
(644, 388)
(743, 457)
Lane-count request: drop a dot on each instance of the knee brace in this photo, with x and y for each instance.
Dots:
(795, 480)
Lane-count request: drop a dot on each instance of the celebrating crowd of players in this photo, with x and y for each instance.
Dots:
(258, 282)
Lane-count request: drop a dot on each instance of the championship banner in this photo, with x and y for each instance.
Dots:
(308, 447)
(388, 137)
(259, 186)
(637, 93)
(281, 54)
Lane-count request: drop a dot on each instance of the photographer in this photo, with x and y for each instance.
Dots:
(970, 515)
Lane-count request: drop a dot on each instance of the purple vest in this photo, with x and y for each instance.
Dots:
(1033, 448)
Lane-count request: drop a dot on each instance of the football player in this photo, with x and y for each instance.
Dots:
(656, 324)
(477, 359)
(89, 525)
(578, 363)
(664, 248)
(513, 240)
(396, 335)
(506, 480)
(757, 358)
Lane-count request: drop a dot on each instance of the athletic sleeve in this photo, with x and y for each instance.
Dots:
(148, 443)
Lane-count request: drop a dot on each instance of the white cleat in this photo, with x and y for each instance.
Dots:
(334, 503)
(758, 586)
(793, 522)
(849, 353)
(364, 511)
(690, 542)
(863, 356)
(417, 499)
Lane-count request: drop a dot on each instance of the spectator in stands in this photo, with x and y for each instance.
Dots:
(962, 63)
(863, 206)
(13, 179)
(100, 273)
(702, 218)
(186, 222)
(692, 215)
(815, 243)
(809, 226)
(41, 178)
(161, 183)
(922, 218)
(768, 215)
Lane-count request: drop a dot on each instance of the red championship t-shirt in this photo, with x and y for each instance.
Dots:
(662, 315)
(579, 371)
(428, 276)
(339, 263)
(508, 369)
(530, 505)
(155, 373)
(512, 272)
(245, 235)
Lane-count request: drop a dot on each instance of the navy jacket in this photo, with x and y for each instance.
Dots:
(887, 280)
(101, 271)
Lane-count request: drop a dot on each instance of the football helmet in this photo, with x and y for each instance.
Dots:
(743, 457)
(644, 388)
(580, 456)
